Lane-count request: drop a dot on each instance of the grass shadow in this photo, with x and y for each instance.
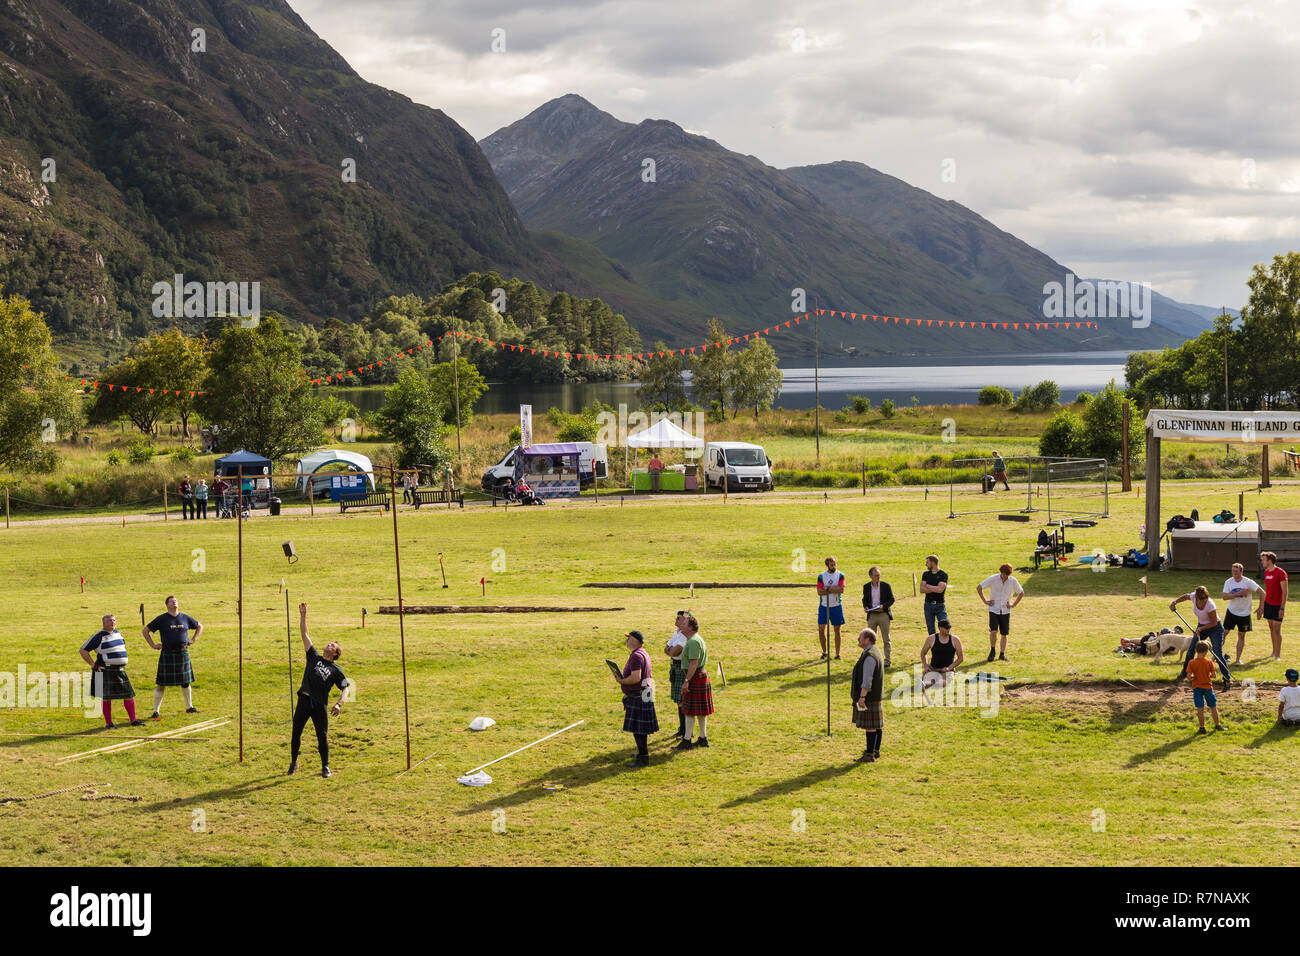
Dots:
(1164, 750)
(1276, 732)
(227, 793)
(1122, 717)
(774, 672)
(592, 770)
(783, 787)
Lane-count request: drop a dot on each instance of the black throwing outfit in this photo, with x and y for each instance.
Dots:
(313, 702)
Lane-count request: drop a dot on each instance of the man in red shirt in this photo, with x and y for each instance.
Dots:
(1274, 607)
(656, 469)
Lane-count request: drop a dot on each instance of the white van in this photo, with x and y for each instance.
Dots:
(744, 467)
(593, 462)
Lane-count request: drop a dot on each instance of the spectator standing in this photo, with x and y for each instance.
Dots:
(877, 599)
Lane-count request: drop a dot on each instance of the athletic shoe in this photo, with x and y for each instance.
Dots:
(837, 657)
(639, 761)
(325, 771)
(154, 716)
(702, 742)
(875, 755)
(1201, 730)
(1220, 726)
(1003, 657)
(685, 744)
(191, 710)
(824, 656)
(992, 654)
(109, 726)
(137, 723)
(867, 757)
(293, 767)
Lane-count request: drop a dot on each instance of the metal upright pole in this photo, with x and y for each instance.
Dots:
(401, 613)
(455, 378)
(817, 387)
(239, 522)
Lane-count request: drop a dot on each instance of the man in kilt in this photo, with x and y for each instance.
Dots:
(868, 694)
(174, 669)
(109, 668)
(677, 672)
(697, 695)
(639, 718)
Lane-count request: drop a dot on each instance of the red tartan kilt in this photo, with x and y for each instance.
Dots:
(697, 697)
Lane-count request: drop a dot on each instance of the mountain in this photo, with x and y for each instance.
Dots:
(226, 163)
(725, 231)
(961, 239)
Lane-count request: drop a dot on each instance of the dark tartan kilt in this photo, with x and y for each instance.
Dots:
(639, 715)
(112, 684)
(873, 718)
(697, 701)
(676, 674)
(174, 669)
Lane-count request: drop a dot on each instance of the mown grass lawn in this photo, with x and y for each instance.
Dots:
(1089, 772)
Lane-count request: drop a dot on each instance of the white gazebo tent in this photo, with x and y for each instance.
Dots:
(662, 434)
(310, 464)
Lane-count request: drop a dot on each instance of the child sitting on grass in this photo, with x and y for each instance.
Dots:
(1201, 671)
(1288, 700)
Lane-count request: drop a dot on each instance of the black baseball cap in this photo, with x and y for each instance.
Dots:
(637, 635)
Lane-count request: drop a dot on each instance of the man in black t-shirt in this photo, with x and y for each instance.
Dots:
(320, 675)
(933, 585)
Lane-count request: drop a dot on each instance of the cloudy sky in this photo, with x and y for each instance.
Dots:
(1155, 141)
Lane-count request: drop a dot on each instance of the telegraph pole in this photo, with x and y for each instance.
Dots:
(817, 386)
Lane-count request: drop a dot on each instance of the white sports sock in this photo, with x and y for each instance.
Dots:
(185, 692)
(703, 722)
(157, 700)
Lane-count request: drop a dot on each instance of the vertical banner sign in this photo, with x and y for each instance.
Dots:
(525, 425)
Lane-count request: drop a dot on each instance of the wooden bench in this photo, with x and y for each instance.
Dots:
(436, 496)
(371, 499)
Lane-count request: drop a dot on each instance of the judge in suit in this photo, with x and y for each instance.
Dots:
(877, 599)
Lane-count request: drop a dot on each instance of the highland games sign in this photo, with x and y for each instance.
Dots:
(1265, 427)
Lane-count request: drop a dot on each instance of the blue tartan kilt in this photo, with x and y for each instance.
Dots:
(111, 683)
(174, 669)
(676, 675)
(639, 715)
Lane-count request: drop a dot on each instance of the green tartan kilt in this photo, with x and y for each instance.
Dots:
(676, 675)
(174, 669)
(112, 684)
(873, 718)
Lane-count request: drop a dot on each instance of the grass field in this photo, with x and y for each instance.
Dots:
(1075, 767)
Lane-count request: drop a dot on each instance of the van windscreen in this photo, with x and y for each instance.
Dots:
(745, 456)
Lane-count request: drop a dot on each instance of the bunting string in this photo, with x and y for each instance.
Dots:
(343, 377)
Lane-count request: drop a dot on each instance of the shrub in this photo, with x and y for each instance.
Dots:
(113, 459)
(879, 478)
(861, 404)
(184, 454)
(140, 451)
(1082, 398)
(887, 408)
(995, 395)
(1063, 437)
(516, 436)
(1046, 394)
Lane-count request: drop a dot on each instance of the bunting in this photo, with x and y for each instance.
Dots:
(352, 373)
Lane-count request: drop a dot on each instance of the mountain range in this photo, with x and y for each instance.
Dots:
(726, 231)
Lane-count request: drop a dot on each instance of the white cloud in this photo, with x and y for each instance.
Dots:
(1097, 131)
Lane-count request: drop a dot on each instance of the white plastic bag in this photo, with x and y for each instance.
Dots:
(482, 723)
(480, 779)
